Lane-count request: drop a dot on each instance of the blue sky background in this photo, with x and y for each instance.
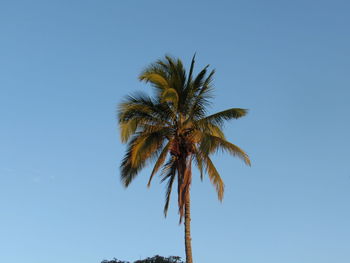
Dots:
(64, 66)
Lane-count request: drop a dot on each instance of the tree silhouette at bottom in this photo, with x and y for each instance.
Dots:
(154, 259)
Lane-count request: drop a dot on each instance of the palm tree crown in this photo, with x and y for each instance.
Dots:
(173, 129)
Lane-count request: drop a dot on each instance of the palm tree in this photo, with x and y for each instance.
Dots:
(173, 129)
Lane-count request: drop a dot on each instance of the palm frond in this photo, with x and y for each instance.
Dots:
(214, 177)
(143, 108)
(199, 98)
(169, 173)
(156, 79)
(156, 74)
(219, 117)
(177, 75)
(214, 130)
(127, 171)
(207, 144)
(230, 148)
(145, 145)
(170, 95)
(165, 168)
(168, 191)
(189, 78)
(199, 80)
(159, 162)
(199, 163)
(127, 129)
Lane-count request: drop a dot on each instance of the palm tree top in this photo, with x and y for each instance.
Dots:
(172, 128)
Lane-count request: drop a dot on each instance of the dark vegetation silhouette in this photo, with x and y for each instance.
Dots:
(172, 127)
(154, 259)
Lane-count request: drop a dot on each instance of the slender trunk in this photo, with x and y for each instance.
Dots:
(188, 229)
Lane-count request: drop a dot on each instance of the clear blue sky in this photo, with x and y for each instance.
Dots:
(64, 66)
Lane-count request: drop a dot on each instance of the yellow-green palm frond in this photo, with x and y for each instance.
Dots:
(199, 163)
(170, 95)
(131, 126)
(146, 145)
(175, 72)
(157, 75)
(141, 148)
(155, 78)
(214, 177)
(221, 144)
(214, 130)
(219, 117)
(127, 129)
(128, 171)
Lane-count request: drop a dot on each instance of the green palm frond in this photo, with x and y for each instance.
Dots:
(169, 188)
(207, 83)
(176, 73)
(169, 174)
(219, 117)
(159, 162)
(141, 106)
(189, 78)
(199, 80)
(207, 145)
(199, 98)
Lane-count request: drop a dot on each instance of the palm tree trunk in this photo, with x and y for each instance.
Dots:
(187, 223)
